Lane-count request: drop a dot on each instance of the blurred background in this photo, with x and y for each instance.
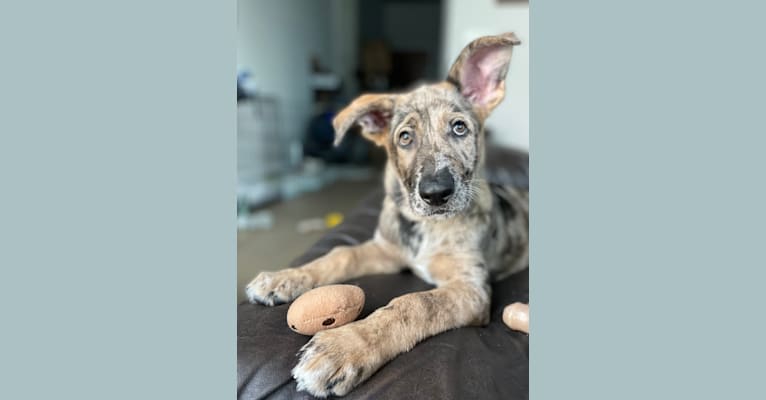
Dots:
(299, 62)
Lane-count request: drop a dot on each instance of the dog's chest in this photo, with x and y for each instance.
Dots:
(421, 241)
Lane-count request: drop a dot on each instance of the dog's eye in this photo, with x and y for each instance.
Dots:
(405, 138)
(459, 128)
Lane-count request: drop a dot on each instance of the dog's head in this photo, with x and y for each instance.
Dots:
(434, 134)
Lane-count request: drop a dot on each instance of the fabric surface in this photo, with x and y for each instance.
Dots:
(466, 363)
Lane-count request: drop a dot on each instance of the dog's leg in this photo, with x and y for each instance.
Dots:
(340, 264)
(335, 361)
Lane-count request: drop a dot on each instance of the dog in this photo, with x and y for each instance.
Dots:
(439, 217)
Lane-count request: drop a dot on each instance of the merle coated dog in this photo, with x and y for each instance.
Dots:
(440, 218)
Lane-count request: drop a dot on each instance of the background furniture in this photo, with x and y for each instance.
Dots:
(262, 154)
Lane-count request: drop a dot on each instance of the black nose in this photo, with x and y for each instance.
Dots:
(437, 188)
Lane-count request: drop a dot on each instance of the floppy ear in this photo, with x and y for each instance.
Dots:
(479, 72)
(372, 112)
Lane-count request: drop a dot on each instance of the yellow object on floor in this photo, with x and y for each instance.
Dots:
(319, 224)
(333, 219)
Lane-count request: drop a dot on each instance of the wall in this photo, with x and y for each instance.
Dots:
(467, 20)
(275, 41)
(344, 34)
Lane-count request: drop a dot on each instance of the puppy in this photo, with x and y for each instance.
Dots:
(439, 218)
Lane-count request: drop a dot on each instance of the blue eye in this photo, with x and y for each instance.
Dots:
(459, 128)
(405, 138)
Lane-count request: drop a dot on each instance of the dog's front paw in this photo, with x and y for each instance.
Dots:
(278, 287)
(335, 361)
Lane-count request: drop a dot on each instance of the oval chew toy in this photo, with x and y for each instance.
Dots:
(325, 307)
(516, 316)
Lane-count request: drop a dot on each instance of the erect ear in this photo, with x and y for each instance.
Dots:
(479, 72)
(371, 111)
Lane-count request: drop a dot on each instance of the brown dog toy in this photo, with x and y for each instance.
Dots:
(516, 316)
(325, 307)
